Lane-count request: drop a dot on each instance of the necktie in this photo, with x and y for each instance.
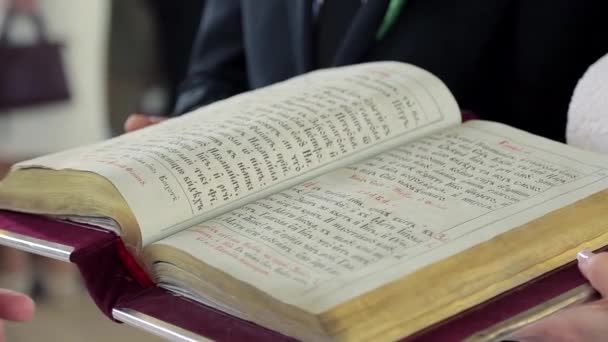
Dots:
(335, 17)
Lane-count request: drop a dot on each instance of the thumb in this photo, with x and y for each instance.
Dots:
(15, 306)
(595, 268)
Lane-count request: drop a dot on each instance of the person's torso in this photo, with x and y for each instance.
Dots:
(515, 62)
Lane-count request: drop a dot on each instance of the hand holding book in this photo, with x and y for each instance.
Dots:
(582, 323)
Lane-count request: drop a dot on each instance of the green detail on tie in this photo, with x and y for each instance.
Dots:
(390, 17)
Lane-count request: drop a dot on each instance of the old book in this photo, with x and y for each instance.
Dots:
(345, 204)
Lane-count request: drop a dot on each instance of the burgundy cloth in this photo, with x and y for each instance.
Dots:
(503, 306)
(42, 228)
(97, 258)
(197, 318)
(95, 253)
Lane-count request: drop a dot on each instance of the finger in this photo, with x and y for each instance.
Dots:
(139, 121)
(15, 306)
(595, 268)
(136, 121)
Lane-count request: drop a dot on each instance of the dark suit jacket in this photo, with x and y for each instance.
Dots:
(511, 61)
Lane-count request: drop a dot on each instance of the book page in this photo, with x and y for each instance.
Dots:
(340, 235)
(226, 154)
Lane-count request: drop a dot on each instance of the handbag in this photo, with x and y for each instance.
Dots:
(30, 74)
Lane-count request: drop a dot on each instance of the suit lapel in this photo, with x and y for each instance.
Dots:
(300, 20)
(361, 35)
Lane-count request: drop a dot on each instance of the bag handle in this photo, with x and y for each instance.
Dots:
(32, 12)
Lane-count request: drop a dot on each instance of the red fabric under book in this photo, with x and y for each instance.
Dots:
(96, 254)
(110, 284)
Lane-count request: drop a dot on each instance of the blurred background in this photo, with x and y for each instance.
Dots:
(110, 58)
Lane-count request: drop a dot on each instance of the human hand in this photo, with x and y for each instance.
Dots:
(14, 307)
(139, 121)
(588, 322)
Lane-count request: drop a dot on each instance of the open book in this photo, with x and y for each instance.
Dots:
(345, 204)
